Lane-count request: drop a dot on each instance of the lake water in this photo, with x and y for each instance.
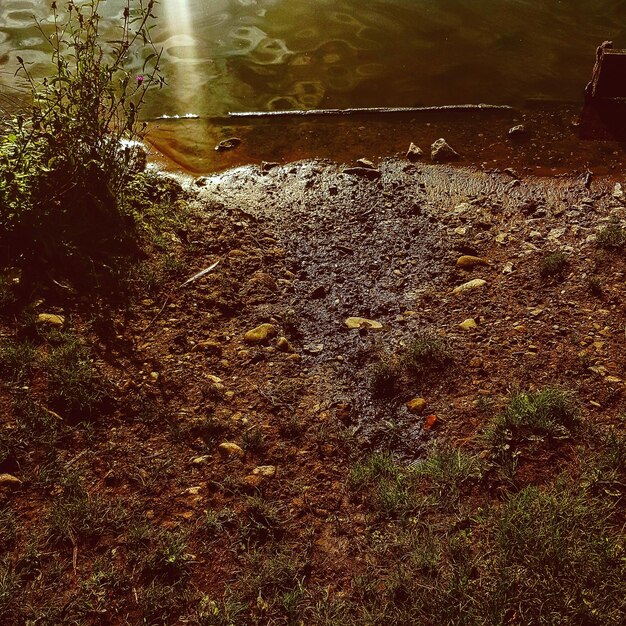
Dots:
(237, 55)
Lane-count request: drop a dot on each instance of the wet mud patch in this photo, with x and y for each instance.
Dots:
(381, 245)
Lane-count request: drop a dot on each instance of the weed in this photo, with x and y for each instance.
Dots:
(73, 383)
(64, 167)
(76, 516)
(210, 428)
(227, 611)
(425, 353)
(254, 439)
(273, 576)
(449, 472)
(160, 601)
(217, 522)
(167, 561)
(92, 597)
(384, 377)
(9, 589)
(262, 520)
(8, 527)
(554, 265)
(35, 424)
(292, 427)
(594, 284)
(15, 359)
(8, 297)
(612, 236)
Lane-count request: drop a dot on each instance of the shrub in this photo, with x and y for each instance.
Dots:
(554, 265)
(612, 237)
(64, 167)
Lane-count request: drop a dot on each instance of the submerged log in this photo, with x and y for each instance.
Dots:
(604, 112)
(372, 110)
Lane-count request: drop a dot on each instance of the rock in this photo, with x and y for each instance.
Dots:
(318, 292)
(440, 151)
(260, 334)
(229, 450)
(414, 153)
(416, 406)
(468, 324)
(363, 172)
(362, 322)
(313, 348)
(13, 276)
(430, 421)
(467, 262)
(252, 481)
(508, 268)
(267, 166)
(477, 283)
(366, 163)
(518, 132)
(8, 480)
(283, 345)
(266, 471)
(228, 144)
(51, 319)
(618, 192)
(212, 347)
(200, 460)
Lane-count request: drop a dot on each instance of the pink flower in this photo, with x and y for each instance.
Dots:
(140, 80)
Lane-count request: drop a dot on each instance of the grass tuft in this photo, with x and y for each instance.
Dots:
(547, 414)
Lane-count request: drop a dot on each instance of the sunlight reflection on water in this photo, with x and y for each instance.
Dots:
(234, 55)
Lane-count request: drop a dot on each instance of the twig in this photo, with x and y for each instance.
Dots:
(200, 274)
(156, 316)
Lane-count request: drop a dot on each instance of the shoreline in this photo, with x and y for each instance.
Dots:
(551, 146)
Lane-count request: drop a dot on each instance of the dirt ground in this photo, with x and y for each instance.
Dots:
(302, 247)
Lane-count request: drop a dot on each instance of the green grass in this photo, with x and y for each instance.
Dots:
(74, 385)
(76, 516)
(262, 521)
(537, 417)
(385, 486)
(449, 472)
(16, 357)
